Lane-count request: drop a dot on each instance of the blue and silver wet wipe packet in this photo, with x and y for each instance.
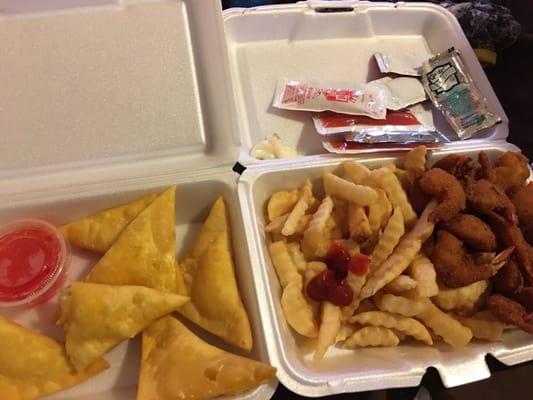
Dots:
(452, 90)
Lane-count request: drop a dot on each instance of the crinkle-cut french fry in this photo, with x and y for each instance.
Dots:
(297, 311)
(447, 327)
(387, 242)
(462, 299)
(423, 272)
(365, 306)
(299, 209)
(345, 332)
(297, 256)
(358, 194)
(359, 174)
(317, 225)
(324, 241)
(330, 323)
(350, 245)
(313, 205)
(372, 336)
(397, 196)
(283, 264)
(379, 212)
(281, 203)
(276, 225)
(407, 325)
(312, 269)
(484, 326)
(399, 305)
(358, 222)
(355, 282)
(302, 224)
(403, 254)
(340, 215)
(402, 176)
(415, 159)
(400, 284)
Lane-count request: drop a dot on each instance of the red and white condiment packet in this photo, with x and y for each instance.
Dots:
(401, 92)
(342, 146)
(409, 64)
(346, 98)
(414, 119)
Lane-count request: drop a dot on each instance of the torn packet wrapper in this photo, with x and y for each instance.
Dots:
(401, 64)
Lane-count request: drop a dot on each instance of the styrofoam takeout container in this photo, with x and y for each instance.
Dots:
(336, 40)
(103, 101)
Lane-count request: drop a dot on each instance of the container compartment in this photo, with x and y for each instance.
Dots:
(362, 369)
(300, 42)
(194, 197)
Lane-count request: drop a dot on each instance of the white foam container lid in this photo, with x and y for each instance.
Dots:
(103, 101)
(301, 41)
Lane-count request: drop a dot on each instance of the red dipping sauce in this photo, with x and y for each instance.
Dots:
(33, 263)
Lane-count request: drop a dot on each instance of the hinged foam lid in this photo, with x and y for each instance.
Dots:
(332, 40)
(95, 91)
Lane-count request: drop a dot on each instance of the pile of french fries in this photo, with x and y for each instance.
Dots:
(398, 299)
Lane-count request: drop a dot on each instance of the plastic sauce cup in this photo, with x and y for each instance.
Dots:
(34, 259)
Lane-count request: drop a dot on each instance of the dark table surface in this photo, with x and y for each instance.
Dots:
(512, 80)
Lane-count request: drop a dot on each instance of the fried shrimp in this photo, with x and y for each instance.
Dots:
(510, 170)
(462, 167)
(456, 268)
(447, 190)
(511, 235)
(509, 311)
(525, 297)
(485, 197)
(471, 230)
(523, 201)
(508, 281)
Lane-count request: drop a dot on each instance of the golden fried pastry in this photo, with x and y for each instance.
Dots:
(176, 364)
(144, 254)
(209, 273)
(34, 365)
(98, 232)
(97, 317)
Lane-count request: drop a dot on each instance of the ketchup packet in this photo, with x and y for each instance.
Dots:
(347, 98)
(414, 119)
(342, 146)
(452, 90)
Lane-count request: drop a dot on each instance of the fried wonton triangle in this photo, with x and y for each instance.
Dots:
(98, 232)
(144, 253)
(34, 365)
(209, 274)
(96, 317)
(176, 364)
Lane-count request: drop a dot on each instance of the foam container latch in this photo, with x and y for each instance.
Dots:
(105, 101)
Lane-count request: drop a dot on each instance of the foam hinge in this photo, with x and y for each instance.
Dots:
(471, 368)
(340, 6)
